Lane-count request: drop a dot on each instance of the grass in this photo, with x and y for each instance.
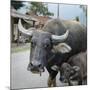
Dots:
(20, 48)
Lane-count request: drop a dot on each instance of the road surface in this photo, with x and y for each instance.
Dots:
(21, 78)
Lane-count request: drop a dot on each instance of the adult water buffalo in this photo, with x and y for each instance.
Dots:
(54, 44)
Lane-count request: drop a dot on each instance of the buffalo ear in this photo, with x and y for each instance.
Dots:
(76, 68)
(62, 48)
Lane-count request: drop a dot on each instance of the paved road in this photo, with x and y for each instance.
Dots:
(21, 78)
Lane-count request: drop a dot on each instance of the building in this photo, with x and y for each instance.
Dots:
(15, 34)
(28, 21)
(41, 20)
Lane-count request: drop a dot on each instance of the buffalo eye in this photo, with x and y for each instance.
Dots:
(33, 43)
(46, 45)
(67, 70)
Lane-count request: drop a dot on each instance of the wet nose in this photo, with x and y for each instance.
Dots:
(35, 67)
(36, 64)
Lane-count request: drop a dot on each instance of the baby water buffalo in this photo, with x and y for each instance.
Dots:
(75, 69)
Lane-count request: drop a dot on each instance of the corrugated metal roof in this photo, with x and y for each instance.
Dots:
(16, 14)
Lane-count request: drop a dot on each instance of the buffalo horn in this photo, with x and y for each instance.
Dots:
(23, 30)
(61, 37)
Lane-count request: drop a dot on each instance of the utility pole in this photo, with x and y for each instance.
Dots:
(58, 10)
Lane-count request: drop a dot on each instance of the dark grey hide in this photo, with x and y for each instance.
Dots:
(43, 54)
(40, 48)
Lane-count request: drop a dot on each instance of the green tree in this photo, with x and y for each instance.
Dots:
(17, 4)
(39, 8)
(77, 18)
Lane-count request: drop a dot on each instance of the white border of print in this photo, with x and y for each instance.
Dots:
(5, 44)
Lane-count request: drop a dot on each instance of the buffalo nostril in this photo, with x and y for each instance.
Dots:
(28, 68)
(39, 65)
(31, 64)
(61, 79)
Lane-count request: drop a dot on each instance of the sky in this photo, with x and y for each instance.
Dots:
(66, 11)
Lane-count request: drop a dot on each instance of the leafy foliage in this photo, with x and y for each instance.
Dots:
(36, 8)
(77, 18)
(39, 8)
(17, 4)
